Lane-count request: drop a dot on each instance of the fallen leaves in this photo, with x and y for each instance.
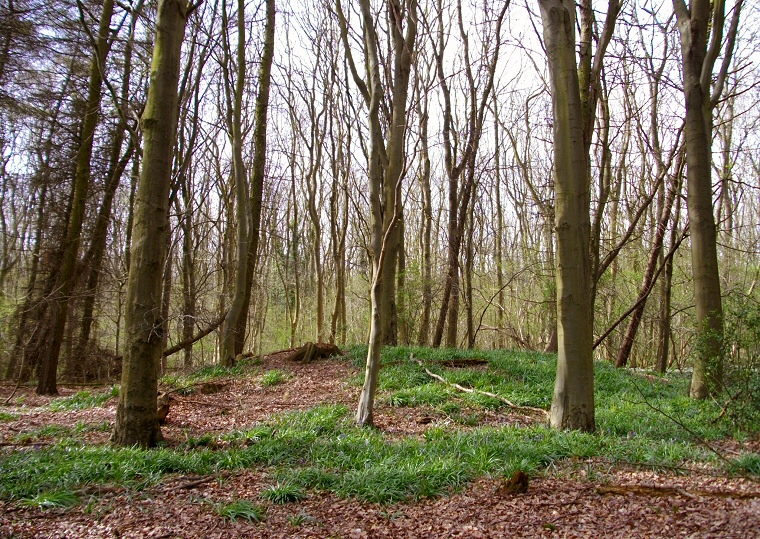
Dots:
(622, 503)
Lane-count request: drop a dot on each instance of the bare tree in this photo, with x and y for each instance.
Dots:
(136, 420)
(701, 26)
(386, 163)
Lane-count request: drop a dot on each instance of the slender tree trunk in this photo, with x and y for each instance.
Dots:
(136, 420)
(48, 366)
(188, 282)
(649, 276)
(166, 301)
(238, 306)
(427, 226)
(258, 168)
(385, 166)
(664, 326)
(499, 236)
(402, 315)
(459, 200)
(117, 166)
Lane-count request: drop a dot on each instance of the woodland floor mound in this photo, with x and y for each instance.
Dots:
(567, 502)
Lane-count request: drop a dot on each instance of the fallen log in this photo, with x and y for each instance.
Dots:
(485, 393)
(312, 351)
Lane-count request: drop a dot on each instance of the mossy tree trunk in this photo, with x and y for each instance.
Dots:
(136, 419)
(699, 52)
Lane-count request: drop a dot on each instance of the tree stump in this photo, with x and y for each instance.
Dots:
(162, 406)
(312, 351)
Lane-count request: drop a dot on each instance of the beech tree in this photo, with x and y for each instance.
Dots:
(136, 420)
(575, 91)
(701, 26)
(385, 166)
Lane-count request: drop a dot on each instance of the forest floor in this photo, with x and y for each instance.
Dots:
(565, 501)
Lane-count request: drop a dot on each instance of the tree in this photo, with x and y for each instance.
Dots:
(136, 420)
(50, 347)
(701, 25)
(258, 169)
(573, 402)
(234, 120)
(386, 163)
(461, 168)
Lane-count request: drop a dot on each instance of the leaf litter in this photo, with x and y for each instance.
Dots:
(623, 502)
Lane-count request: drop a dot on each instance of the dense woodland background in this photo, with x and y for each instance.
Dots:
(492, 222)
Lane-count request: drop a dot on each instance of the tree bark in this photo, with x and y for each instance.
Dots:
(385, 164)
(258, 169)
(573, 402)
(136, 419)
(48, 366)
(238, 306)
(694, 25)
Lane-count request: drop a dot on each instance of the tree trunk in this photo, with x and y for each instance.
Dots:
(385, 167)
(136, 419)
(188, 282)
(573, 402)
(664, 326)
(649, 276)
(238, 306)
(258, 169)
(48, 366)
(695, 24)
(499, 236)
(427, 225)
(459, 201)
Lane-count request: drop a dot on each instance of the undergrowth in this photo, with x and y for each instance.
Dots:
(641, 420)
(83, 400)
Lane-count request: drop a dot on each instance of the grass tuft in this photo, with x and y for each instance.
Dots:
(274, 377)
(52, 500)
(283, 493)
(243, 509)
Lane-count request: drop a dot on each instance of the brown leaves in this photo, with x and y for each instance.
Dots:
(620, 504)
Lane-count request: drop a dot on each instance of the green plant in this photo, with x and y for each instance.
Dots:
(273, 378)
(52, 500)
(83, 399)
(236, 509)
(741, 351)
(5, 416)
(283, 493)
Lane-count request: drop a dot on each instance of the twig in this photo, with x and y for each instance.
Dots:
(655, 490)
(18, 382)
(701, 441)
(480, 392)
(194, 481)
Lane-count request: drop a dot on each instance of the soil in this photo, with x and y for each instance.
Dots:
(567, 502)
